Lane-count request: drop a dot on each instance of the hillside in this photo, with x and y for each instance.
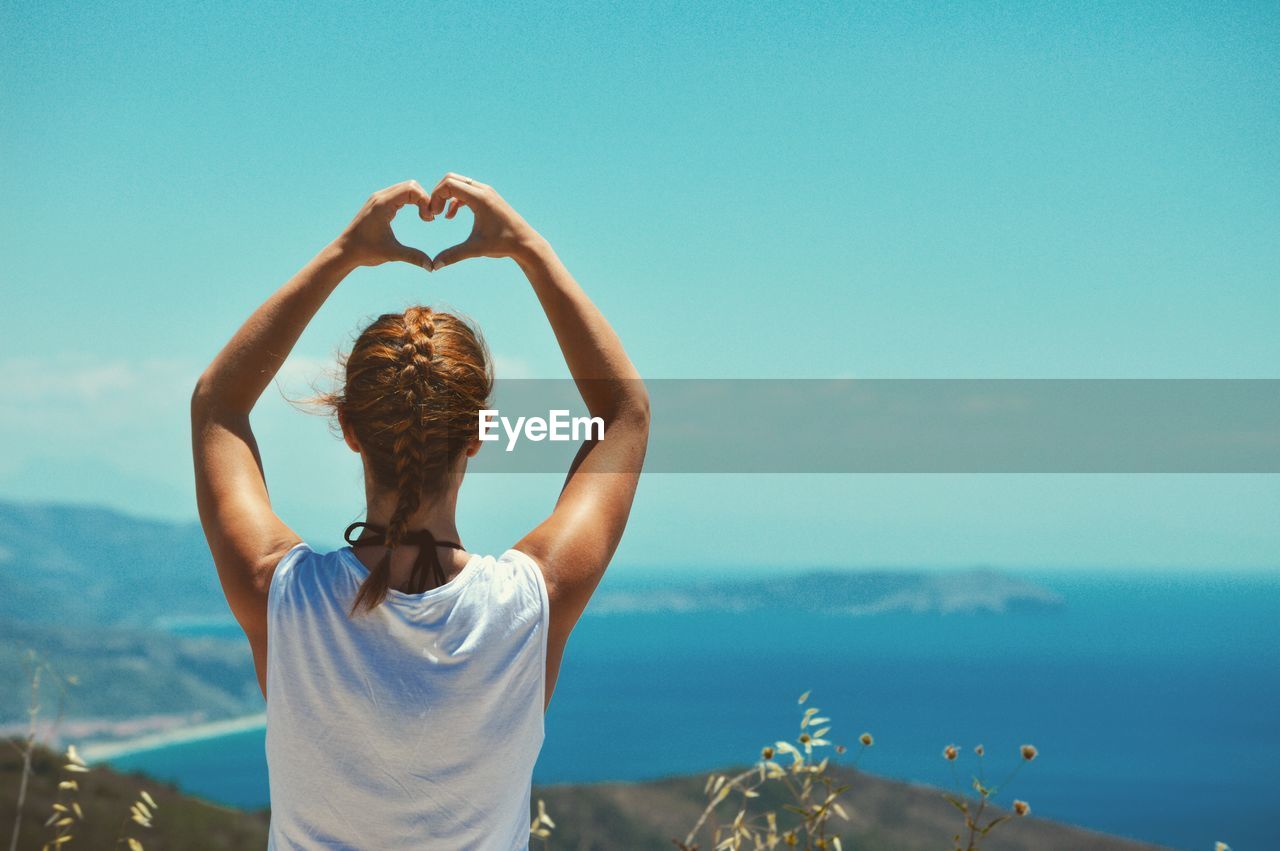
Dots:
(181, 824)
(884, 815)
(88, 565)
(127, 672)
(85, 588)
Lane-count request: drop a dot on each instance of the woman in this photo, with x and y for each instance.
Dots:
(406, 679)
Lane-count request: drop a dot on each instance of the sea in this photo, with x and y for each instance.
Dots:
(1153, 700)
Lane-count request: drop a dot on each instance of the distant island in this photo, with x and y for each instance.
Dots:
(837, 592)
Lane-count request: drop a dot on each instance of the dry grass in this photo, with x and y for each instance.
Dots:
(65, 813)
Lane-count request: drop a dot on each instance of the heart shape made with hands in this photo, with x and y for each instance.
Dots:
(409, 228)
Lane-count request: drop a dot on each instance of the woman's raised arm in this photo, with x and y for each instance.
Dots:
(245, 536)
(573, 545)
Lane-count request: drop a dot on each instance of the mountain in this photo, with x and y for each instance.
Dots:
(884, 815)
(127, 672)
(87, 565)
(83, 587)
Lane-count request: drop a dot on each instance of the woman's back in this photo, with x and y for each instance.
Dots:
(416, 724)
(399, 720)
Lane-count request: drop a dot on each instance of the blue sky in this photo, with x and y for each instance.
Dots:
(747, 190)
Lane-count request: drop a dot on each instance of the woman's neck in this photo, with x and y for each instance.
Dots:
(436, 514)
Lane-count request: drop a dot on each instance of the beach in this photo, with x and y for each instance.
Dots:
(96, 752)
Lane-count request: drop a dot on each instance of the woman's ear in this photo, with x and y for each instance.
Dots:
(473, 447)
(347, 433)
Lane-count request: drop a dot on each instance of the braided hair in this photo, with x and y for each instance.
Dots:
(415, 382)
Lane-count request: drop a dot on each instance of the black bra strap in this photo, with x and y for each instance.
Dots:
(427, 562)
(420, 537)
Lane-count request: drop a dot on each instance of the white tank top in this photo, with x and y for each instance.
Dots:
(416, 725)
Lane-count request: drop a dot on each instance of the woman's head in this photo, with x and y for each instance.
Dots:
(414, 384)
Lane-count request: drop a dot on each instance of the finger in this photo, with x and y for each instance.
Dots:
(467, 180)
(451, 255)
(454, 206)
(448, 189)
(408, 192)
(453, 186)
(406, 254)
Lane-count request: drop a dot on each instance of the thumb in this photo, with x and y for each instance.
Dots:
(410, 255)
(451, 255)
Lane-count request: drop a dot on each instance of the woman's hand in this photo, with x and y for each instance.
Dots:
(499, 231)
(369, 240)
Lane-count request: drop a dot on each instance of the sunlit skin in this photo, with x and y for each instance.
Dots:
(573, 545)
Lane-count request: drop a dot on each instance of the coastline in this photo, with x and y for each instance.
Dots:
(99, 752)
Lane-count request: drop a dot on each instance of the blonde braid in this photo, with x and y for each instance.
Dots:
(414, 382)
(411, 452)
(411, 456)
